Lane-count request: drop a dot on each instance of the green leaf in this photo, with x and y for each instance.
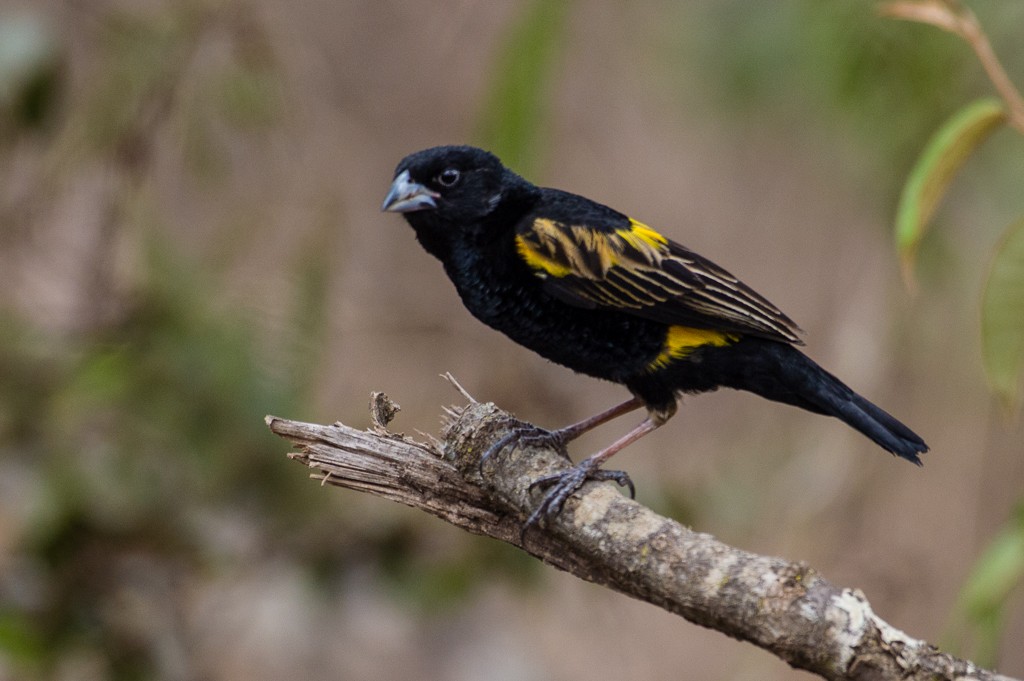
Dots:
(982, 604)
(513, 114)
(938, 164)
(998, 572)
(1002, 316)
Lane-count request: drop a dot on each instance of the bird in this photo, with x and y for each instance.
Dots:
(605, 295)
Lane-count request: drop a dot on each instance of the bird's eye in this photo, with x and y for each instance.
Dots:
(449, 177)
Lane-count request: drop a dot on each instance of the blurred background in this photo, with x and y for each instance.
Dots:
(190, 238)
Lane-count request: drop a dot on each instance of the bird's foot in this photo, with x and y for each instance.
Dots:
(526, 435)
(562, 486)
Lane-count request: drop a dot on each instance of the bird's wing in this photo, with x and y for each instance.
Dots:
(635, 269)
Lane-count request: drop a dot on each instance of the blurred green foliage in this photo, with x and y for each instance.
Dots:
(948, 149)
(1002, 317)
(30, 64)
(959, 138)
(999, 571)
(138, 432)
(514, 117)
(138, 436)
(987, 598)
(838, 61)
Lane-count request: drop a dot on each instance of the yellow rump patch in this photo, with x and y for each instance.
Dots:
(680, 341)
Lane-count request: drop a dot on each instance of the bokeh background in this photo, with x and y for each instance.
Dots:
(190, 238)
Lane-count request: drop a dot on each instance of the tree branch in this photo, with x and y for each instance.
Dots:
(603, 537)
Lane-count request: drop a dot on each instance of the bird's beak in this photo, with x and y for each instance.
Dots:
(406, 196)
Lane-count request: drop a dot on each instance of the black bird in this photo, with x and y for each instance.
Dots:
(605, 295)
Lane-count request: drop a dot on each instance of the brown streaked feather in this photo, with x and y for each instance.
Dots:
(636, 270)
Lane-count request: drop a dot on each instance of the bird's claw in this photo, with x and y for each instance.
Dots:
(523, 435)
(562, 486)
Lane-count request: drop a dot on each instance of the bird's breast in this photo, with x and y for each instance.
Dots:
(502, 293)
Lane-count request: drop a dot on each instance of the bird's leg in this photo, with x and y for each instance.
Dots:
(563, 484)
(558, 438)
(567, 434)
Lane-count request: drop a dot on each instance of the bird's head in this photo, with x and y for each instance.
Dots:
(457, 186)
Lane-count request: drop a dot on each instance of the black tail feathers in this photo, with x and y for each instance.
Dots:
(801, 382)
(881, 427)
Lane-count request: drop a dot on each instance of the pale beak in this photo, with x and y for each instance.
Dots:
(406, 196)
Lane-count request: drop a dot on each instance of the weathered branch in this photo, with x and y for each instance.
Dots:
(603, 537)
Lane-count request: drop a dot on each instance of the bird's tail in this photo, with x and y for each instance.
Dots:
(801, 382)
(879, 425)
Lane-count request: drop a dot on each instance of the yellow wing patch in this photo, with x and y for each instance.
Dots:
(635, 269)
(642, 237)
(680, 341)
(560, 250)
(541, 259)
